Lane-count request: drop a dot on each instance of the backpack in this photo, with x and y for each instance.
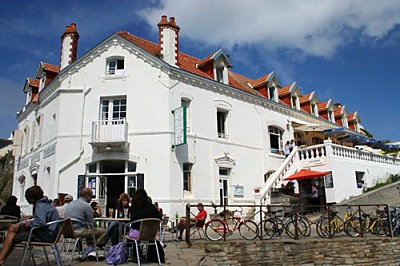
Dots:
(114, 255)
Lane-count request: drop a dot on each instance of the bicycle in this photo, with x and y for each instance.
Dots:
(330, 224)
(273, 225)
(376, 224)
(218, 228)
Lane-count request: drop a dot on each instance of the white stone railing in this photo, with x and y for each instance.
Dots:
(109, 131)
(328, 150)
(277, 177)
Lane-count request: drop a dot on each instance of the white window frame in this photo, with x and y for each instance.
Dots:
(273, 91)
(314, 109)
(115, 70)
(187, 103)
(279, 133)
(295, 101)
(110, 108)
(222, 126)
(187, 176)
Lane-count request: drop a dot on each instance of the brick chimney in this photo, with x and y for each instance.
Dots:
(69, 46)
(169, 40)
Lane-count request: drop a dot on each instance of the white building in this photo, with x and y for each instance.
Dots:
(105, 121)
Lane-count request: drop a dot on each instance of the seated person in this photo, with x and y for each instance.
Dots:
(198, 220)
(121, 211)
(44, 212)
(80, 212)
(11, 208)
(96, 209)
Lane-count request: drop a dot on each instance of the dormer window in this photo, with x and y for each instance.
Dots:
(272, 93)
(331, 116)
(344, 121)
(115, 66)
(220, 74)
(314, 109)
(295, 101)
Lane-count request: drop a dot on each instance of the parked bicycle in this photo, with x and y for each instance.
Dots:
(374, 223)
(331, 224)
(224, 226)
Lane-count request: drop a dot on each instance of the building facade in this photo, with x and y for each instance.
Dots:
(107, 121)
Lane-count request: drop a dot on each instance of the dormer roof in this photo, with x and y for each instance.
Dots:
(219, 54)
(31, 83)
(324, 105)
(47, 68)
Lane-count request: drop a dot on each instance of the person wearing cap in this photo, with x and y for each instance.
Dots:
(61, 209)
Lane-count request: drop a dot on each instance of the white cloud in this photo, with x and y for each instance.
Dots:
(313, 27)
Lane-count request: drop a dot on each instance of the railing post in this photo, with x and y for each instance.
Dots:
(328, 148)
(187, 231)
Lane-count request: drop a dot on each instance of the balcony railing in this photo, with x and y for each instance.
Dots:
(109, 131)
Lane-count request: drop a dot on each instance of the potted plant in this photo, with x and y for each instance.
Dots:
(257, 189)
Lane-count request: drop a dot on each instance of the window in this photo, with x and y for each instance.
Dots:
(115, 66)
(186, 102)
(187, 176)
(220, 74)
(299, 139)
(39, 133)
(222, 124)
(314, 110)
(272, 94)
(275, 137)
(331, 116)
(294, 102)
(223, 186)
(344, 121)
(360, 179)
(113, 109)
(25, 143)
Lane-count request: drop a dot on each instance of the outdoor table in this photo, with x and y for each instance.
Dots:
(121, 221)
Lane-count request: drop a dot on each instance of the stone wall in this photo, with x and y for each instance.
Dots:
(336, 251)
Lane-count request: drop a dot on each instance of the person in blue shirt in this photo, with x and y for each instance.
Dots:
(43, 213)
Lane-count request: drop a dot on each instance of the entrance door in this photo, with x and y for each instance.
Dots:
(114, 180)
(223, 191)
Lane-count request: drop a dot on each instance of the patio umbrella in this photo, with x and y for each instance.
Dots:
(357, 139)
(334, 132)
(311, 127)
(306, 174)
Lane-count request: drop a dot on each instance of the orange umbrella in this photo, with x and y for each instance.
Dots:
(306, 174)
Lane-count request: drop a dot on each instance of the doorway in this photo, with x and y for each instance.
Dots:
(114, 181)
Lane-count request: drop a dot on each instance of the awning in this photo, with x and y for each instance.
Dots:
(311, 127)
(304, 174)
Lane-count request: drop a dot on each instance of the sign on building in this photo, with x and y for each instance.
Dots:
(179, 126)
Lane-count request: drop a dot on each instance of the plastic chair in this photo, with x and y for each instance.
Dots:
(70, 236)
(31, 243)
(148, 232)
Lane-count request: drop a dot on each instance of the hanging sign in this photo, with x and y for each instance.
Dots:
(179, 126)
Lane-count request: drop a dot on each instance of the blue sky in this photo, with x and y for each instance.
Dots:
(345, 50)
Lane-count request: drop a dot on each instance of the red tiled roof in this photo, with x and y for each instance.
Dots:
(323, 105)
(33, 82)
(50, 67)
(305, 98)
(260, 81)
(284, 90)
(186, 62)
(351, 116)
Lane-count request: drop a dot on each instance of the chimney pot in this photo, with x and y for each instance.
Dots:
(69, 46)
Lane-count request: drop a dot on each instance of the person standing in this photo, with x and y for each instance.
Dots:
(314, 197)
(286, 149)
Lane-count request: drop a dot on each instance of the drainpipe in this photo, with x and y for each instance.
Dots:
(81, 149)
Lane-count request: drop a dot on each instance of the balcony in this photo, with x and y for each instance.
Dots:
(109, 135)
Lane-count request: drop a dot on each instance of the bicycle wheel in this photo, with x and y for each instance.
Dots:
(353, 227)
(307, 222)
(280, 227)
(381, 227)
(269, 229)
(248, 230)
(291, 228)
(322, 227)
(215, 230)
